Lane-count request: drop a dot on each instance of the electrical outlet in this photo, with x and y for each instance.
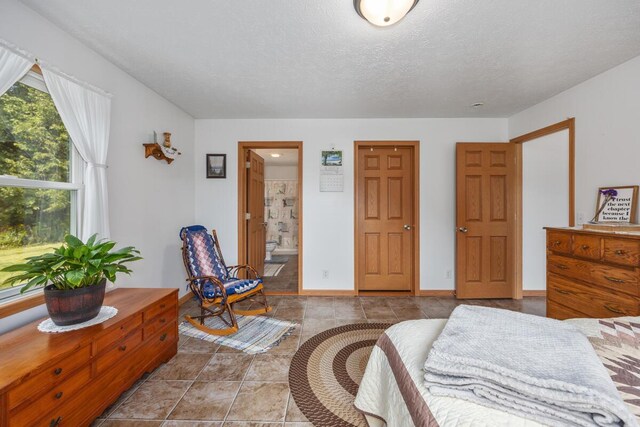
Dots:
(581, 218)
(325, 274)
(449, 274)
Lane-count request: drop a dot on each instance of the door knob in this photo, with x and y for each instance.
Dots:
(406, 227)
(462, 229)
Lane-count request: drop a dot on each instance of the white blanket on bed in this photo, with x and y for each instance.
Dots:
(527, 365)
(392, 391)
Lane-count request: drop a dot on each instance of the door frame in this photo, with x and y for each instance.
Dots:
(243, 147)
(570, 125)
(415, 273)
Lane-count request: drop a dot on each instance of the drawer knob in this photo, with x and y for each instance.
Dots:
(123, 347)
(57, 371)
(613, 279)
(613, 309)
(163, 320)
(55, 422)
(620, 252)
(163, 337)
(162, 305)
(59, 395)
(562, 266)
(585, 247)
(560, 291)
(556, 243)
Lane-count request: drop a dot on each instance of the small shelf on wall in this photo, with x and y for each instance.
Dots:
(155, 150)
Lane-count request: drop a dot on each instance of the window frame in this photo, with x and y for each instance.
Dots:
(11, 300)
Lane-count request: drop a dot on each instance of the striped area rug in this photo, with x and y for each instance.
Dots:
(272, 270)
(256, 334)
(325, 373)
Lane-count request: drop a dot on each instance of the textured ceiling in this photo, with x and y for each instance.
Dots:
(318, 58)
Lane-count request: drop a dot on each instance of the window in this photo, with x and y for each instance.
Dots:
(38, 188)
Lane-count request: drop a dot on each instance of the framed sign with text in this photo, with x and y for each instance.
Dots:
(617, 204)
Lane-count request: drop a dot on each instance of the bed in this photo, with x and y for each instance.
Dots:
(392, 391)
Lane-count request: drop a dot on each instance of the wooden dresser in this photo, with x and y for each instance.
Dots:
(592, 273)
(70, 378)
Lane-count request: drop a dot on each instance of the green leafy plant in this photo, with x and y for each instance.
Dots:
(74, 265)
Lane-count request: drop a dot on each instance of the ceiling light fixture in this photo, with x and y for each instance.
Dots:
(276, 155)
(477, 105)
(383, 12)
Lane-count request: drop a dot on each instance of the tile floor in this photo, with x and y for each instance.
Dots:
(210, 385)
(287, 279)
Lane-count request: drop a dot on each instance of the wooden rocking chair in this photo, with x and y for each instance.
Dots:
(216, 286)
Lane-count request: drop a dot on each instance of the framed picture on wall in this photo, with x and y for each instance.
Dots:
(216, 165)
(617, 204)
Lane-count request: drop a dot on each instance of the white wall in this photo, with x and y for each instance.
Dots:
(545, 195)
(280, 172)
(149, 200)
(607, 134)
(328, 217)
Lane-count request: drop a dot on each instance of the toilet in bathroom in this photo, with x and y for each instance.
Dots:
(271, 246)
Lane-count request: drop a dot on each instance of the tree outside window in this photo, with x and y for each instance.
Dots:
(37, 192)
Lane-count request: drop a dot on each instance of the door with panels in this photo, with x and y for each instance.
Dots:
(384, 215)
(256, 224)
(486, 220)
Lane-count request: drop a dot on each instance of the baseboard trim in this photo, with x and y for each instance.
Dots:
(534, 293)
(327, 293)
(437, 293)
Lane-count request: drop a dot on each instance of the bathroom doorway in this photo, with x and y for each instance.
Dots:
(270, 213)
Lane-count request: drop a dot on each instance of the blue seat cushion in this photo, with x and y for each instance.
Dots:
(232, 286)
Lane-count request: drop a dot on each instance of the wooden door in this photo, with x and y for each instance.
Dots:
(485, 220)
(256, 231)
(384, 212)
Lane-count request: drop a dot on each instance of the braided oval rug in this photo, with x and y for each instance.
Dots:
(326, 371)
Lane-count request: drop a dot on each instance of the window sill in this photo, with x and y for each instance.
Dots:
(16, 305)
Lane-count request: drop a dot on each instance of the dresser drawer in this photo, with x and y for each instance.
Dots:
(52, 375)
(80, 411)
(586, 246)
(159, 307)
(560, 312)
(115, 335)
(52, 399)
(570, 267)
(109, 384)
(622, 251)
(559, 242)
(160, 321)
(164, 338)
(589, 300)
(120, 351)
(616, 278)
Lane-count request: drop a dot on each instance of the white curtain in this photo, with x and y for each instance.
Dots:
(86, 114)
(12, 68)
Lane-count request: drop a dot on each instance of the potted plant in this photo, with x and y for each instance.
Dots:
(74, 276)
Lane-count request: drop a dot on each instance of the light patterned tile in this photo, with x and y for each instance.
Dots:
(260, 401)
(226, 367)
(152, 400)
(269, 367)
(206, 401)
(184, 366)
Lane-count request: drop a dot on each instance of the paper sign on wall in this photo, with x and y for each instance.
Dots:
(331, 172)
